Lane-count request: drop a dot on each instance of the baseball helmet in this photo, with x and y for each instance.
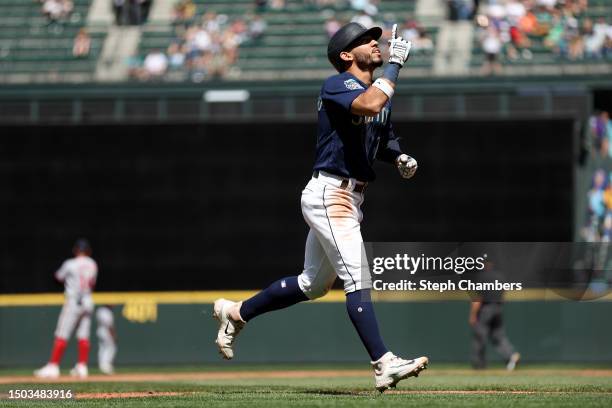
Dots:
(82, 245)
(344, 37)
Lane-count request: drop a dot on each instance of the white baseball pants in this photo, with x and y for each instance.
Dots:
(74, 315)
(334, 247)
(106, 348)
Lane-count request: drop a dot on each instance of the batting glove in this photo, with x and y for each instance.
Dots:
(406, 165)
(398, 48)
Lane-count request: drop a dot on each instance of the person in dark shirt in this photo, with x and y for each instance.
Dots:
(486, 320)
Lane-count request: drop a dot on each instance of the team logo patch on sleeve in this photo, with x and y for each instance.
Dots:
(352, 85)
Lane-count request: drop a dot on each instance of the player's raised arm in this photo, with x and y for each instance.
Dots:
(374, 99)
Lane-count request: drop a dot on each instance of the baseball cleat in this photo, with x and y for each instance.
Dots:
(107, 369)
(80, 371)
(514, 359)
(50, 370)
(390, 369)
(228, 328)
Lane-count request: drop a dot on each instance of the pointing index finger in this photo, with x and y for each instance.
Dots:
(394, 32)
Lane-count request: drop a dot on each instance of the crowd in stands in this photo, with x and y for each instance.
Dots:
(599, 223)
(510, 29)
(59, 12)
(203, 46)
(368, 16)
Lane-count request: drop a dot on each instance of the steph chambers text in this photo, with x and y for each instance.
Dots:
(465, 284)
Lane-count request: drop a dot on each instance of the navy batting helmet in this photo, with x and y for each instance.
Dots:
(344, 37)
(82, 245)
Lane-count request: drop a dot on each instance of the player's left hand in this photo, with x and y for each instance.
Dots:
(399, 49)
(406, 165)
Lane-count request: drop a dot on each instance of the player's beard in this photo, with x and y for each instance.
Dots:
(365, 62)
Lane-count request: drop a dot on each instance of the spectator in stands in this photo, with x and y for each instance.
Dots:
(131, 12)
(276, 4)
(257, 27)
(52, 9)
(607, 48)
(155, 64)
(364, 19)
(548, 4)
(600, 128)
(595, 37)
(176, 55)
(460, 9)
(332, 24)
(121, 12)
(421, 43)
(368, 7)
(57, 10)
(82, 44)
(211, 22)
(184, 12)
(229, 41)
(555, 40)
(492, 45)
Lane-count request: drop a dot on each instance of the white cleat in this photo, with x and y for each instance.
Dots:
(80, 371)
(228, 328)
(390, 369)
(514, 359)
(107, 369)
(50, 370)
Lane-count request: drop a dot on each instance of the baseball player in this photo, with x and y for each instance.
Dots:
(78, 275)
(354, 129)
(107, 339)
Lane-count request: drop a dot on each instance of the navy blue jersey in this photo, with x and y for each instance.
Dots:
(347, 143)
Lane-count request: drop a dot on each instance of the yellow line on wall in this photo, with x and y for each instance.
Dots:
(195, 297)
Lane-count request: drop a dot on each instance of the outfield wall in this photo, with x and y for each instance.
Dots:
(217, 206)
(150, 333)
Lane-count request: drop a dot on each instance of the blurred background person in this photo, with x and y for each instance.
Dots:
(486, 320)
(82, 44)
(107, 339)
(78, 275)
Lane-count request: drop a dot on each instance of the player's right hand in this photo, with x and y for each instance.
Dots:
(399, 49)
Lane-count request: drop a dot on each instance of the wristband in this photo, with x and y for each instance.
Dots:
(384, 86)
(391, 72)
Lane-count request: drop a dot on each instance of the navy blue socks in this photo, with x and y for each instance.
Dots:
(286, 292)
(279, 295)
(361, 311)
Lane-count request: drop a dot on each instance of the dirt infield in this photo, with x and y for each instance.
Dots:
(278, 374)
(111, 395)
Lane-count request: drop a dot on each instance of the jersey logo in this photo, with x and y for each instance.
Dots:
(352, 85)
(381, 118)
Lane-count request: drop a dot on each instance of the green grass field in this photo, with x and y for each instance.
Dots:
(256, 386)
